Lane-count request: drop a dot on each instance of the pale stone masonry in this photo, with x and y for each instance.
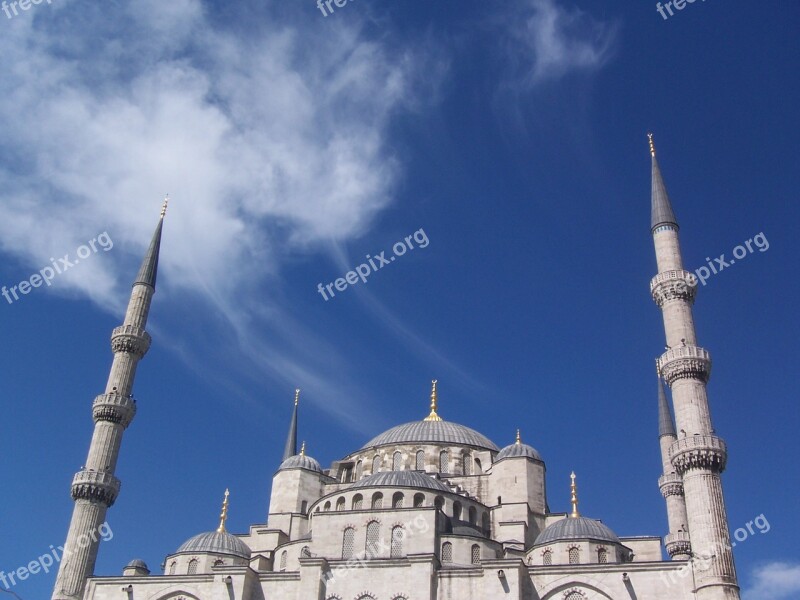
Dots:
(434, 510)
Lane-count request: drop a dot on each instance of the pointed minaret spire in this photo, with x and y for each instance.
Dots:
(95, 487)
(574, 496)
(660, 206)
(666, 426)
(291, 440)
(223, 516)
(434, 416)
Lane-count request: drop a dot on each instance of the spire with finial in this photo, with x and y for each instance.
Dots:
(660, 207)
(303, 449)
(434, 403)
(290, 449)
(519, 439)
(223, 516)
(149, 269)
(164, 206)
(574, 496)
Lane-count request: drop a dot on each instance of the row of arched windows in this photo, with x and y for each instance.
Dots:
(357, 503)
(575, 556)
(468, 464)
(447, 553)
(368, 597)
(372, 542)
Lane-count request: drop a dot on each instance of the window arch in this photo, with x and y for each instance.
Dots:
(466, 464)
(358, 501)
(419, 500)
(219, 562)
(327, 506)
(376, 464)
(397, 500)
(397, 461)
(574, 556)
(348, 542)
(340, 504)
(192, 567)
(486, 523)
(602, 555)
(373, 537)
(575, 596)
(397, 541)
(473, 515)
(475, 554)
(305, 552)
(304, 506)
(547, 558)
(359, 469)
(377, 500)
(447, 552)
(419, 463)
(172, 566)
(439, 502)
(283, 560)
(366, 597)
(444, 462)
(478, 466)
(457, 510)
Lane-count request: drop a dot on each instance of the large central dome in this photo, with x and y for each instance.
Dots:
(435, 432)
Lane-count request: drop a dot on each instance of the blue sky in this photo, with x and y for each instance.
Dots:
(292, 145)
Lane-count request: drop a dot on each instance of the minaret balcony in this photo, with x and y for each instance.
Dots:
(95, 485)
(699, 452)
(114, 408)
(671, 485)
(128, 338)
(684, 362)
(678, 544)
(674, 285)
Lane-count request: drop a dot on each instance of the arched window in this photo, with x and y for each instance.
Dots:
(192, 567)
(574, 556)
(359, 469)
(219, 562)
(575, 596)
(397, 500)
(348, 540)
(486, 523)
(419, 500)
(466, 464)
(283, 560)
(304, 506)
(439, 502)
(366, 597)
(457, 510)
(172, 566)
(340, 504)
(327, 506)
(478, 466)
(377, 500)
(358, 500)
(602, 555)
(376, 464)
(373, 536)
(305, 552)
(397, 461)
(420, 460)
(475, 555)
(397, 541)
(547, 558)
(473, 515)
(447, 552)
(444, 462)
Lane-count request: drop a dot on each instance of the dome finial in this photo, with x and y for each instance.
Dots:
(303, 448)
(652, 144)
(519, 439)
(223, 516)
(296, 396)
(164, 206)
(574, 497)
(434, 403)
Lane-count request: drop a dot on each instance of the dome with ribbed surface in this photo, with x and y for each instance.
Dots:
(412, 479)
(301, 461)
(217, 543)
(515, 450)
(576, 528)
(436, 432)
(137, 563)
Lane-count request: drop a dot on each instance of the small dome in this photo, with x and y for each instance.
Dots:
(576, 528)
(216, 542)
(137, 563)
(412, 479)
(520, 449)
(301, 461)
(436, 432)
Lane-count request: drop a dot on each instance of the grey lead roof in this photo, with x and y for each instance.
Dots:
(660, 206)
(301, 461)
(576, 528)
(149, 269)
(216, 542)
(515, 450)
(434, 432)
(666, 426)
(412, 479)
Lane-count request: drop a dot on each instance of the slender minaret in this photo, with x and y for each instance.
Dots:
(94, 487)
(671, 484)
(291, 440)
(697, 455)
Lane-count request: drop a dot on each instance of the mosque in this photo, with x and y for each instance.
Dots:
(432, 509)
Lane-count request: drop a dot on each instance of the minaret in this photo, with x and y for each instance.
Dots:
(291, 440)
(671, 484)
(94, 487)
(697, 455)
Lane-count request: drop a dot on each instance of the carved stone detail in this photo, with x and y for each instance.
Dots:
(678, 544)
(699, 452)
(671, 485)
(674, 285)
(127, 338)
(95, 485)
(114, 408)
(684, 362)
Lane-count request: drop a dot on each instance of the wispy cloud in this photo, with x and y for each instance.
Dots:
(774, 581)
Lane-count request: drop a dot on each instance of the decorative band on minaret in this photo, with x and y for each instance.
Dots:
(95, 488)
(697, 456)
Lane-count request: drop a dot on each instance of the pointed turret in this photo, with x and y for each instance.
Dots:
(291, 439)
(149, 269)
(660, 206)
(666, 425)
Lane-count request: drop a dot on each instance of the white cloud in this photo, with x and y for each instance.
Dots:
(774, 581)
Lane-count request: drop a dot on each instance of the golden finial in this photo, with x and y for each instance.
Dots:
(303, 449)
(434, 403)
(223, 516)
(574, 498)
(652, 144)
(519, 439)
(164, 206)
(296, 396)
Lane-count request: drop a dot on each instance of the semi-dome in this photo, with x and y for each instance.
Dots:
(435, 432)
(301, 461)
(412, 479)
(576, 528)
(216, 542)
